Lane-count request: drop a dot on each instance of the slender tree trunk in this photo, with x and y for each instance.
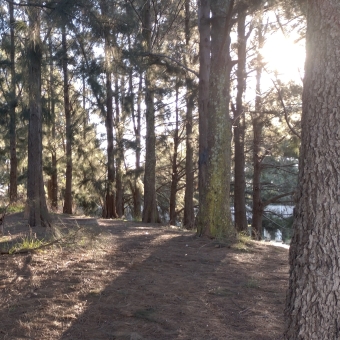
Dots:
(110, 200)
(13, 191)
(214, 215)
(174, 173)
(189, 216)
(239, 129)
(54, 175)
(38, 213)
(137, 196)
(68, 186)
(150, 213)
(120, 148)
(257, 121)
(312, 307)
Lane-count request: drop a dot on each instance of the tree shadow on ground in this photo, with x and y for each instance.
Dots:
(147, 282)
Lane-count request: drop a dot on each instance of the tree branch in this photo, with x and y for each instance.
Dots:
(276, 198)
(285, 111)
(172, 59)
(29, 4)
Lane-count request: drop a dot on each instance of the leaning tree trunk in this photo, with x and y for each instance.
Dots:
(239, 129)
(214, 215)
(68, 175)
(312, 309)
(13, 188)
(38, 214)
(150, 213)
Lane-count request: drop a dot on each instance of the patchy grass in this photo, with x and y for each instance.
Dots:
(124, 280)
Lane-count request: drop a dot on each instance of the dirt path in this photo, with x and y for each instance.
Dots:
(134, 281)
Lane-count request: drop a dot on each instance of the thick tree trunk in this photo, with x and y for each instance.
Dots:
(68, 186)
(203, 100)
(13, 191)
(174, 167)
(312, 309)
(239, 129)
(257, 121)
(189, 216)
(150, 212)
(214, 215)
(38, 213)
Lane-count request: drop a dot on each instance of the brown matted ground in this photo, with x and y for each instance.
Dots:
(137, 281)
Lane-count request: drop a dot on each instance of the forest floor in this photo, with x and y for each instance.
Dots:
(126, 280)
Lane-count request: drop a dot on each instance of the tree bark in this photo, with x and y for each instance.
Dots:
(13, 187)
(150, 212)
(174, 167)
(136, 188)
(203, 100)
(214, 215)
(189, 216)
(38, 213)
(54, 176)
(241, 224)
(257, 121)
(120, 148)
(110, 199)
(67, 209)
(312, 307)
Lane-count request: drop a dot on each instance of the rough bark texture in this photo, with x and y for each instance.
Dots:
(53, 196)
(38, 214)
(174, 167)
(312, 309)
(239, 129)
(120, 147)
(203, 100)
(189, 216)
(110, 199)
(67, 209)
(13, 191)
(257, 121)
(137, 195)
(150, 212)
(214, 215)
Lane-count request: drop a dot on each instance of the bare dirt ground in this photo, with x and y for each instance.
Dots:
(135, 281)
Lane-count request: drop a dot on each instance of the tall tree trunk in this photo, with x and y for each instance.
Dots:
(312, 307)
(239, 129)
(214, 215)
(257, 121)
(68, 186)
(110, 199)
(54, 175)
(189, 216)
(120, 148)
(150, 212)
(203, 100)
(38, 213)
(137, 195)
(174, 172)
(13, 191)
